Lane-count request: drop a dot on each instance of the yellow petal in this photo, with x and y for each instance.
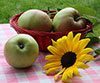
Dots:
(70, 35)
(53, 50)
(76, 42)
(76, 38)
(75, 47)
(64, 44)
(52, 60)
(53, 42)
(75, 71)
(85, 58)
(69, 40)
(53, 70)
(85, 51)
(81, 65)
(58, 45)
(61, 44)
(64, 76)
(51, 65)
(68, 73)
(51, 57)
(60, 48)
(59, 40)
(83, 43)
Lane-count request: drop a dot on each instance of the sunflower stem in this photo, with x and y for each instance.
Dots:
(58, 74)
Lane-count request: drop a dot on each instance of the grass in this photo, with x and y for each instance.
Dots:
(8, 8)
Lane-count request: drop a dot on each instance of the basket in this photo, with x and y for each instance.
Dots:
(44, 38)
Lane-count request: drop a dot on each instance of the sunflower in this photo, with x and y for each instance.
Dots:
(67, 54)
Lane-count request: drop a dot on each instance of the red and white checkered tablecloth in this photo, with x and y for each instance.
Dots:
(35, 74)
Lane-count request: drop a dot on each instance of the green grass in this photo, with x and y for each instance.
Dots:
(8, 8)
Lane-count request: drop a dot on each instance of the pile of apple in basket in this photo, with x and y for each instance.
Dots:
(45, 25)
(65, 20)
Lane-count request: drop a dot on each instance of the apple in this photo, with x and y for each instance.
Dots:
(36, 20)
(21, 51)
(68, 19)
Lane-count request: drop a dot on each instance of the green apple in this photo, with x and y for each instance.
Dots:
(35, 19)
(68, 19)
(21, 51)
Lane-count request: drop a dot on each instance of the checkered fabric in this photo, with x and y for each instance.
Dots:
(35, 74)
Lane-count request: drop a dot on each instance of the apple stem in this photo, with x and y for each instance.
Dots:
(21, 45)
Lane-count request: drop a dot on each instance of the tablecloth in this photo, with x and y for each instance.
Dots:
(35, 74)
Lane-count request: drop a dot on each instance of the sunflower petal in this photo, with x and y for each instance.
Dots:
(52, 60)
(64, 44)
(76, 38)
(85, 58)
(67, 74)
(51, 57)
(81, 65)
(51, 65)
(59, 40)
(64, 76)
(70, 73)
(53, 70)
(75, 71)
(70, 35)
(60, 48)
(75, 47)
(53, 50)
(69, 40)
(61, 44)
(53, 42)
(85, 51)
(75, 42)
(83, 43)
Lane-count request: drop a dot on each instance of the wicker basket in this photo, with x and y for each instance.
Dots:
(44, 38)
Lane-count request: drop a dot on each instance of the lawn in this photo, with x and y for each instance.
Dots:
(90, 8)
(8, 8)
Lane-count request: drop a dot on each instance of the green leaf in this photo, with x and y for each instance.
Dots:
(96, 30)
(58, 9)
(90, 34)
(91, 18)
(97, 51)
(93, 38)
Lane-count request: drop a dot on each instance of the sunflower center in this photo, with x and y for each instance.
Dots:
(68, 59)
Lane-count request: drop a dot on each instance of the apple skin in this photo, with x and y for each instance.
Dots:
(36, 20)
(68, 19)
(21, 51)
